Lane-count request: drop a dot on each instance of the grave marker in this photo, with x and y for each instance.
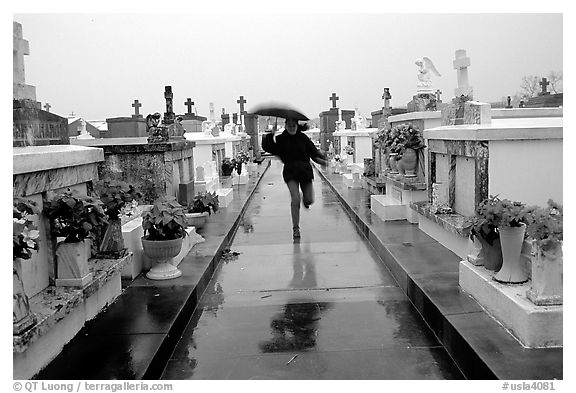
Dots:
(461, 64)
(189, 103)
(241, 101)
(334, 98)
(544, 84)
(136, 105)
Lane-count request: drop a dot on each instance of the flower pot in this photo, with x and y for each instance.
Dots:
(22, 318)
(512, 271)
(546, 288)
(72, 264)
(491, 255)
(196, 219)
(113, 241)
(408, 163)
(162, 252)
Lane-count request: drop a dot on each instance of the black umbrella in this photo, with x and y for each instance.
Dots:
(279, 110)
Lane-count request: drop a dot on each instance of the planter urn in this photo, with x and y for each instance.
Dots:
(408, 163)
(546, 287)
(22, 318)
(162, 251)
(511, 240)
(72, 264)
(196, 219)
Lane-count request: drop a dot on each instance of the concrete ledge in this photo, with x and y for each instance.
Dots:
(454, 242)
(225, 196)
(387, 208)
(42, 158)
(534, 326)
(61, 312)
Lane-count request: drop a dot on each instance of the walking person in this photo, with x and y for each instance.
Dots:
(295, 150)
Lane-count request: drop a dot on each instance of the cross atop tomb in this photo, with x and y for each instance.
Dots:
(386, 97)
(189, 103)
(334, 98)
(47, 107)
(241, 101)
(461, 64)
(438, 93)
(169, 115)
(223, 111)
(544, 84)
(136, 105)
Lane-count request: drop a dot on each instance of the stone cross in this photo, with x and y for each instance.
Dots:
(438, 93)
(169, 115)
(21, 48)
(223, 111)
(241, 101)
(47, 107)
(189, 103)
(508, 102)
(136, 105)
(461, 64)
(544, 84)
(386, 97)
(334, 98)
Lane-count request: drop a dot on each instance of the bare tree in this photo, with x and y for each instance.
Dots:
(529, 86)
(556, 78)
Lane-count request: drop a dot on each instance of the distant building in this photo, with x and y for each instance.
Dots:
(75, 127)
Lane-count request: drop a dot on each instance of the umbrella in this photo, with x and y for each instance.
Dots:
(279, 110)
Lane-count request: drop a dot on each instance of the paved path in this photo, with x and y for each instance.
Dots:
(322, 308)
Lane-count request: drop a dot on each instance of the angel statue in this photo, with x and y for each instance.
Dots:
(425, 65)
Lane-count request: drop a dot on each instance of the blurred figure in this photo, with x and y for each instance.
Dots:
(295, 150)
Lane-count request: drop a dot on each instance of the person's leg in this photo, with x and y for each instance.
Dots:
(307, 194)
(294, 203)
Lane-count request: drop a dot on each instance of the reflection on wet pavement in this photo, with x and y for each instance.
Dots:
(323, 307)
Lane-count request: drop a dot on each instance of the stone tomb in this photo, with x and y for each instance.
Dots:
(60, 312)
(362, 142)
(515, 158)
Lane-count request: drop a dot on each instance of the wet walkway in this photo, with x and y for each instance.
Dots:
(322, 308)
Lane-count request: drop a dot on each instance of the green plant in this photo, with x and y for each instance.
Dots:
(205, 202)
(545, 225)
(24, 230)
(165, 221)
(115, 195)
(74, 216)
(227, 166)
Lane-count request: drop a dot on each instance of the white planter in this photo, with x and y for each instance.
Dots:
(22, 318)
(72, 264)
(162, 251)
(512, 271)
(547, 287)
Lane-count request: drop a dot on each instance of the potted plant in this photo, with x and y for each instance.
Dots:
(545, 227)
(164, 228)
(511, 228)
(411, 143)
(203, 204)
(484, 234)
(25, 238)
(394, 144)
(115, 197)
(75, 219)
(227, 166)
(241, 158)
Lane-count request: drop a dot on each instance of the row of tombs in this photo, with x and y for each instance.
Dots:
(81, 216)
(488, 188)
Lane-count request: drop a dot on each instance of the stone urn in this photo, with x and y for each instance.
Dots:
(490, 256)
(511, 240)
(408, 163)
(113, 241)
(162, 252)
(547, 267)
(196, 219)
(72, 263)
(22, 318)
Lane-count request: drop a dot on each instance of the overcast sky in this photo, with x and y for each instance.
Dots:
(96, 65)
